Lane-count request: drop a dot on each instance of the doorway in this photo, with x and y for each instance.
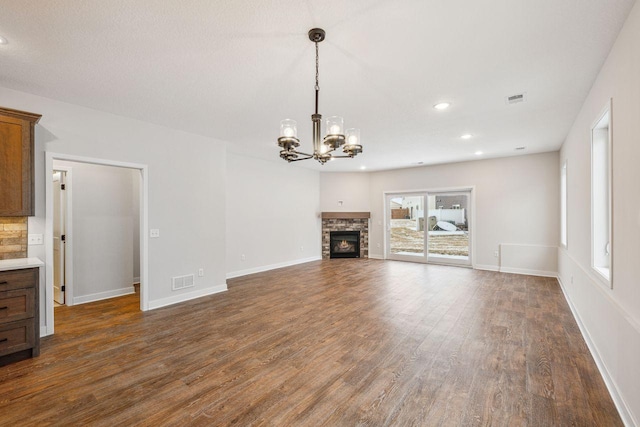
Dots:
(139, 231)
(59, 235)
(429, 226)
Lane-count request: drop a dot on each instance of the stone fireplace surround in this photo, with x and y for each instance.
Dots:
(346, 221)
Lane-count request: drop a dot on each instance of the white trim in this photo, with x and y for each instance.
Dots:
(176, 299)
(486, 267)
(260, 269)
(135, 280)
(144, 232)
(564, 170)
(528, 272)
(99, 296)
(589, 274)
(606, 282)
(623, 408)
(376, 256)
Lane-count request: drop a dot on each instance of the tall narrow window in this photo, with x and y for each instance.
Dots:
(563, 205)
(601, 195)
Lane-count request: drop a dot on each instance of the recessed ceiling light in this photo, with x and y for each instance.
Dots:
(363, 167)
(478, 153)
(442, 106)
(3, 40)
(466, 136)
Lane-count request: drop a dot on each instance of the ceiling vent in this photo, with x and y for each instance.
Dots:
(516, 99)
(520, 148)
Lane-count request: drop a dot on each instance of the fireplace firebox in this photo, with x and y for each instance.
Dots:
(344, 244)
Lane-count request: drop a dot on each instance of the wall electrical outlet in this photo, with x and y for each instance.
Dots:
(201, 272)
(242, 257)
(301, 248)
(496, 254)
(154, 233)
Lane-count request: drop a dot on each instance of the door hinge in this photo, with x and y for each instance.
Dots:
(63, 288)
(63, 238)
(62, 186)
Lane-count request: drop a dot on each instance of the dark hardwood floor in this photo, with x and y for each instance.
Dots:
(337, 343)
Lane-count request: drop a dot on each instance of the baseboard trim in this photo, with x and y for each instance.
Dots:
(103, 295)
(486, 267)
(623, 409)
(248, 271)
(136, 280)
(376, 256)
(176, 299)
(528, 272)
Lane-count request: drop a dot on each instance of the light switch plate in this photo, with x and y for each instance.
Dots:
(35, 239)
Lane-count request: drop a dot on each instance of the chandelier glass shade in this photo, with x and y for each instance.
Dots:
(336, 136)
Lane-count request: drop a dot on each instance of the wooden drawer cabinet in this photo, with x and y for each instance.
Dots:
(16, 162)
(19, 315)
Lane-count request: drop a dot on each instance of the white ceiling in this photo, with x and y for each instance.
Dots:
(233, 69)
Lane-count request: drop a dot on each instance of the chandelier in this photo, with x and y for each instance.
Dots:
(336, 137)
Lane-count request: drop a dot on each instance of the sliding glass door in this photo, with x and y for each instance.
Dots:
(448, 240)
(429, 227)
(405, 227)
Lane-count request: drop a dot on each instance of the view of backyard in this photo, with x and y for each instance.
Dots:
(406, 239)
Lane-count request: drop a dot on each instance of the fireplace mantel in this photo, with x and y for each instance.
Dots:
(346, 215)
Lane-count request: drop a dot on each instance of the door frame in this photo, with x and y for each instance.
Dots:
(144, 225)
(425, 192)
(68, 246)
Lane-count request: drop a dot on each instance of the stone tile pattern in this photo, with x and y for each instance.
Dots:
(354, 224)
(13, 237)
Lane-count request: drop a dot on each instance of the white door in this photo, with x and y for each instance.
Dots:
(405, 227)
(448, 225)
(432, 227)
(59, 221)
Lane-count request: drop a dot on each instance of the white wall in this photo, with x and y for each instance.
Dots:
(273, 215)
(103, 230)
(516, 205)
(353, 189)
(610, 318)
(186, 196)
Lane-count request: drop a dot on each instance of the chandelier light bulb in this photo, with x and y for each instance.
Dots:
(353, 136)
(289, 128)
(334, 125)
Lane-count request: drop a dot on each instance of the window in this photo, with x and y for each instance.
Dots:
(601, 195)
(563, 205)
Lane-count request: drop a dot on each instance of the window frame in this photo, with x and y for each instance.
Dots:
(603, 274)
(564, 205)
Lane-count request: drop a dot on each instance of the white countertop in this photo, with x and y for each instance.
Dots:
(19, 263)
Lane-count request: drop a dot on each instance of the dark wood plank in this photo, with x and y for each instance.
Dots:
(335, 342)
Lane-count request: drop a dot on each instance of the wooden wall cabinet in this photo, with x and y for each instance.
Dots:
(19, 315)
(16, 162)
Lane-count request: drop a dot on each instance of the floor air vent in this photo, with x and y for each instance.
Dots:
(181, 282)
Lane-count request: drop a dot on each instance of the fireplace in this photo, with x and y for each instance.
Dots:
(344, 244)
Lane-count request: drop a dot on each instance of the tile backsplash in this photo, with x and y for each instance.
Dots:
(13, 237)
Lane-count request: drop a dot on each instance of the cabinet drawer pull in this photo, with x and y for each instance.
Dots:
(4, 339)
(3, 308)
